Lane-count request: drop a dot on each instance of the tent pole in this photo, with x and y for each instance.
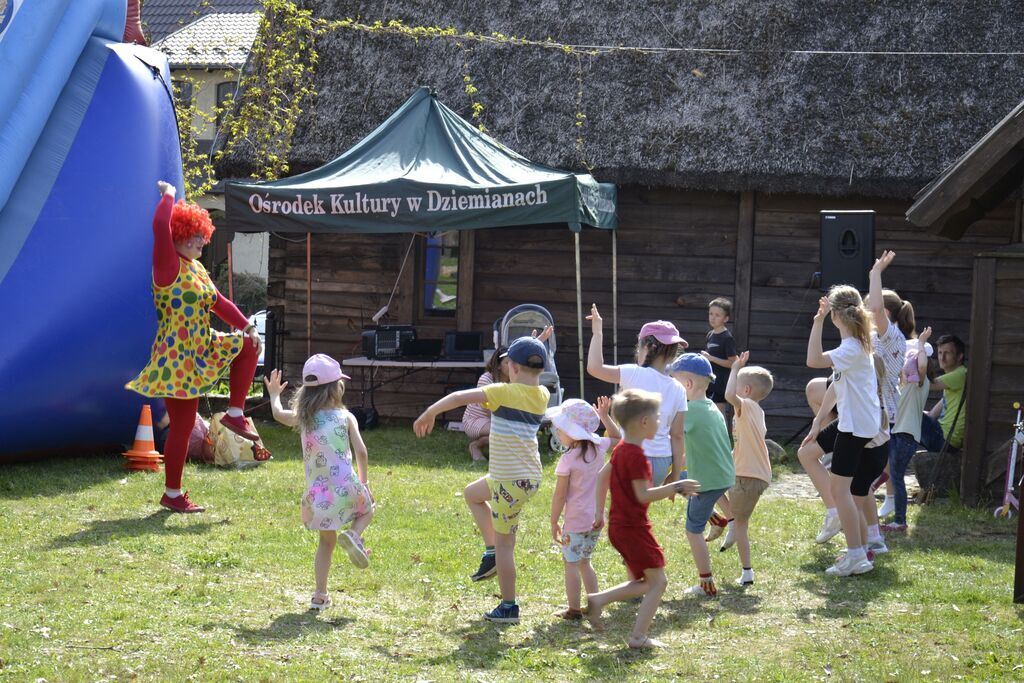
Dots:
(579, 310)
(615, 299)
(309, 294)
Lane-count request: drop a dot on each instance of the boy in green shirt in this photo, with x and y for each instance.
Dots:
(708, 460)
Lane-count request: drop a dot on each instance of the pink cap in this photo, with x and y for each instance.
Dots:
(321, 369)
(663, 331)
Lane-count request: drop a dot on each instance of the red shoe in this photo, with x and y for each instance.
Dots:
(239, 426)
(180, 504)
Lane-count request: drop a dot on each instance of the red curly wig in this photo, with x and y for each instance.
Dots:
(188, 220)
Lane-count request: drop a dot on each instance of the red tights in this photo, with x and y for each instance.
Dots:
(182, 413)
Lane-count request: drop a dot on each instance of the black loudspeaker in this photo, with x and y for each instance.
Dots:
(847, 248)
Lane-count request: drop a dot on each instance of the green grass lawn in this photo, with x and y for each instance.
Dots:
(96, 583)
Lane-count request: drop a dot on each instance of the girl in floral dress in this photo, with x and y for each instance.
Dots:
(335, 495)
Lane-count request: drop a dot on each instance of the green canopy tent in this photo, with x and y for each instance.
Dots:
(425, 169)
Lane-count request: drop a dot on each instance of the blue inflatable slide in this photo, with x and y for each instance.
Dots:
(87, 128)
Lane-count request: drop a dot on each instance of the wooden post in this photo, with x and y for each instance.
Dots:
(467, 259)
(979, 376)
(744, 268)
(579, 306)
(231, 276)
(1018, 573)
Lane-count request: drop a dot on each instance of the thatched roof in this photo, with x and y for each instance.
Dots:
(776, 121)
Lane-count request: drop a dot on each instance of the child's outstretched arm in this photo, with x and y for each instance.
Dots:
(611, 430)
(730, 386)
(922, 355)
(604, 479)
(648, 494)
(815, 357)
(875, 301)
(274, 387)
(424, 424)
(595, 355)
(359, 450)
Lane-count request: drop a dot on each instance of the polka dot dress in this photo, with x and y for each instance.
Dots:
(187, 357)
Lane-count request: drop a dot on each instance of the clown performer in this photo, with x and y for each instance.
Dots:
(188, 358)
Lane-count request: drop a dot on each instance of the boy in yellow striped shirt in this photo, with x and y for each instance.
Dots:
(514, 470)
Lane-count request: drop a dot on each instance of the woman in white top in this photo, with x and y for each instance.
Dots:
(657, 346)
(857, 401)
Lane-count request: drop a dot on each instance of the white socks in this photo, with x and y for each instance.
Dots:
(235, 412)
(874, 534)
(832, 512)
(747, 576)
(857, 554)
(172, 493)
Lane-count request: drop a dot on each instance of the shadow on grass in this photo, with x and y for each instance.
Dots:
(101, 532)
(291, 626)
(946, 526)
(58, 476)
(845, 597)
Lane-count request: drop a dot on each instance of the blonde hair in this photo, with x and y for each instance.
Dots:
(848, 308)
(308, 401)
(632, 404)
(698, 380)
(759, 379)
(901, 312)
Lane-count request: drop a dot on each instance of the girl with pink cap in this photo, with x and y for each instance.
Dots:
(575, 423)
(657, 346)
(335, 494)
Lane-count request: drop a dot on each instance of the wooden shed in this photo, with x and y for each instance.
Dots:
(724, 137)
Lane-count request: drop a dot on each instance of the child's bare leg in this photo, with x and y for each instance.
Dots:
(741, 529)
(322, 559)
(868, 510)
(725, 506)
(478, 497)
(656, 582)
(859, 502)
(699, 549)
(624, 591)
(476, 447)
(588, 575)
(360, 523)
(505, 558)
(572, 584)
(809, 457)
(849, 515)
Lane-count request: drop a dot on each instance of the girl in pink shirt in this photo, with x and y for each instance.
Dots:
(576, 422)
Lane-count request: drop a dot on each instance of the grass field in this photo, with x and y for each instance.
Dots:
(98, 584)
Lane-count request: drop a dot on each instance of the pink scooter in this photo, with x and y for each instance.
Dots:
(1004, 511)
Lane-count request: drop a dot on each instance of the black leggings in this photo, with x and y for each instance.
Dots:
(846, 453)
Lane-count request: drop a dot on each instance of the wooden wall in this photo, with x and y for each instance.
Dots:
(677, 250)
(995, 378)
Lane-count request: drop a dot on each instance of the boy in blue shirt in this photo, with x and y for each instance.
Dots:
(708, 460)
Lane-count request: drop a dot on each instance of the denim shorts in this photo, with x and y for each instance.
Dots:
(660, 467)
(699, 509)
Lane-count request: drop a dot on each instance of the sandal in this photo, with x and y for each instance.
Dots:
(324, 601)
(353, 545)
(570, 614)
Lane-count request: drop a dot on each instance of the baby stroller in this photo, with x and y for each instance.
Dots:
(521, 321)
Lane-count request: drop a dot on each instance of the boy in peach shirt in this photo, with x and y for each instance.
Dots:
(747, 387)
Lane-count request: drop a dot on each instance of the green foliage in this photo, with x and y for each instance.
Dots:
(250, 291)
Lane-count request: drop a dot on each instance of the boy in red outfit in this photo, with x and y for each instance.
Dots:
(628, 476)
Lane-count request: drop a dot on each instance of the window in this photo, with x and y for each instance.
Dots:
(183, 92)
(440, 273)
(225, 93)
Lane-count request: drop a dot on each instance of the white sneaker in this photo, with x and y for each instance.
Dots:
(845, 566)
(878, 546)
(829, 528)
(746, 578)
(888, 507)
(730, 538)
(694, 590)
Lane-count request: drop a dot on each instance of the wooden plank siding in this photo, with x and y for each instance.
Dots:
(677, 251)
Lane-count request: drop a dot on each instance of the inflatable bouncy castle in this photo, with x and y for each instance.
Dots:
(87, 128)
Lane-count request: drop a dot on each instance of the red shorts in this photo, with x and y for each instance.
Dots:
(638, 547)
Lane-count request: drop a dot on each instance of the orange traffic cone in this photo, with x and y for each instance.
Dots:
(143, 455)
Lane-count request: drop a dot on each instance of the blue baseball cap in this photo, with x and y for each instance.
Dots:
(527, 351)
(693, 363)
